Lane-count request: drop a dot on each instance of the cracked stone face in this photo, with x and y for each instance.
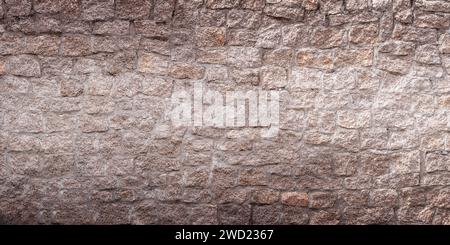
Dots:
(86, 91)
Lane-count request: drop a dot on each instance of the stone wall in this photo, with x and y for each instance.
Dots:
(85, 86)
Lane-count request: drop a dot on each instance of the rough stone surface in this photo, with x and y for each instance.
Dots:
(23, 65)
(97, 10)
(295, 199)
(85, 91)
(18, 7)
(133, 9)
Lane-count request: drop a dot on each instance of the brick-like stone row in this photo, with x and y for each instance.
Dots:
(86, 85)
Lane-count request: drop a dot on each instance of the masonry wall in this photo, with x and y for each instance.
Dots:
(85, 90)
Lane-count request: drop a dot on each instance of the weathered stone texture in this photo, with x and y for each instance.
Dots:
(85, 89)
